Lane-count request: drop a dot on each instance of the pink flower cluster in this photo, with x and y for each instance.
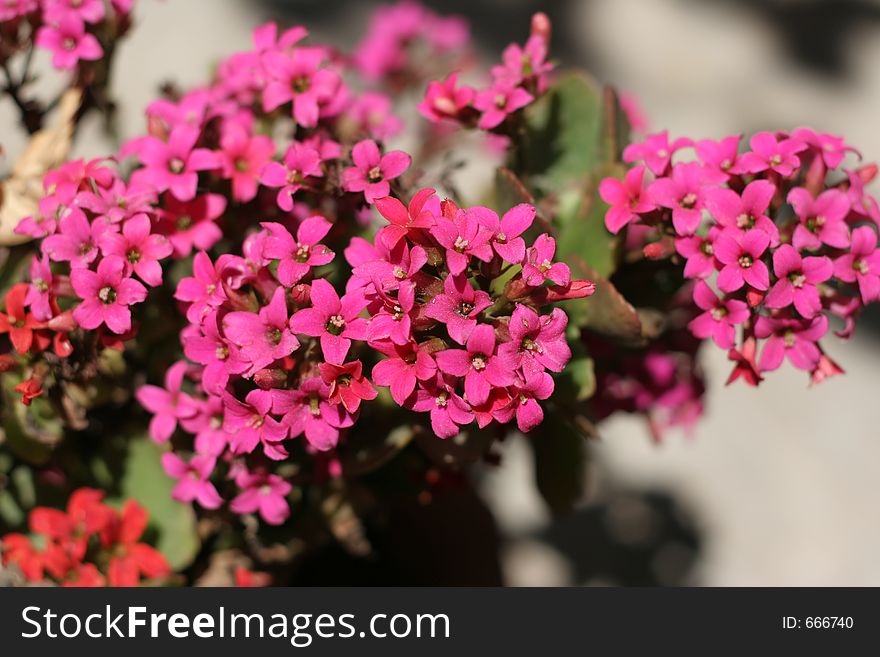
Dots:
(775, 238)
(66, 28)
(278, 353)
(523, 75)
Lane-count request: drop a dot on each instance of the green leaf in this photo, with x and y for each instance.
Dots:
(606, 312)
(145, 480)
(560, 454)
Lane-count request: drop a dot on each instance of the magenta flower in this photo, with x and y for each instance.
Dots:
(44, 221)
(449, 412)
(39, 294)
(463, 237)
(524, 400)
(769, 152)
(193, 483)
(348, 385)
(118, 201)
(107, 295)
(446, 100)
(372, 114)
(862, 264)
(699, 253)
(242, 157)
(383, 269)
(308, 411)
(335, 321)
(372, 170)
(404, 366)
(498, 101)
(420, 215)
(477, 363)
(191, 224)
(300, 162)
(262, 337)
(655, 151)
(249, 424)
(77, 240)
(168, 404)
(790, 338)
(174, 165)
(720, 157)
(744, 212)
(628, 199)
(832, 148)
(296, 77)
(297, 256)
(138, 248)
(683, 193)
(90, 11)
(458, 307)
(67, 39)
(822, 220)
(393, 319)
(797, 282)
(505, 234)
(740, 253)
(720, 318)
(263, 493)
(204, 289)
(539, 266)
(206, 346)
(207, 425)
(536, 342)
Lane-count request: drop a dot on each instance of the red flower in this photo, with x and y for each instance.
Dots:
(131, 559)
(16, 321)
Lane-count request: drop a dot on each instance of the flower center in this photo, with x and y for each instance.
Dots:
(40, 284)
(478, 362)
(745, 220)
(184, 221)
(335, 324)
(707, 249)
(399, 273)
(815, 223)
(107, 295)
(797, 279)
(256, 421)
(726, 164)
(302, 252)
(275, 336)
(69, 43)
(315, 405)
(500, 101)
(745, 261)
(241, 165)
(719, 313)
(176, 165)
(530, 345)
(85, 248)
(545, 266)
(789, 338)
(689, 200)
(461, 244)
(374, 175)
(133, 256)
(300, 85)
(775, 160)
(861, 266)
(265, 490)
(445, 105)
(222, 352)
(397, 312)
(501, 237)
(465, 309)
(441, 399)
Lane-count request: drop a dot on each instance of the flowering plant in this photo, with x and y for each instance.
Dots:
(269, 327)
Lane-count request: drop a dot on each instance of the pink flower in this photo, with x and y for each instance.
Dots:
(539, 266)
(682, 193)
(420, 215)
(68, 41)
(385, 269)
(174, 165)
(118, 201)
(744, 212)
(862, 264)
(720, 318)
(498, 101)
(524, 400)
(448, 411)
(242, 158)
(463, 237)
(335, 321)
(372, 114)
(263, 337)
(481, 368)
(769, 152)
(393, 319)
(297, 78)
(797, 282)
(249, 424)
(77, 240)
(191, 224)
(832, 148)
(792, 338)
(192, 479)
(506, 233)
(740, 253)
(39, 294)
(348, 386)
(204, 289)
(263, 493)
(168, 404)
(655, 151)
(404, 366)
(720, 157)
(699, 253)
(822, 220)
(458, 307)
(90, 11)
(446, 100)
(536, 343)
(300, 162)
(297, 257)
(206, 346)
(372, 170)
(627, 198)
(308, 411)
(106, 295)
(525, 64)
(140, 249)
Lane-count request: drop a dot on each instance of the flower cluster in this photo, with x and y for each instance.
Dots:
(776, 238)
(278, 351)
(89, 544)
(71, 30)
(523, 75)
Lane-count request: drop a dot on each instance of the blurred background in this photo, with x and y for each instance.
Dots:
(777, 486)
